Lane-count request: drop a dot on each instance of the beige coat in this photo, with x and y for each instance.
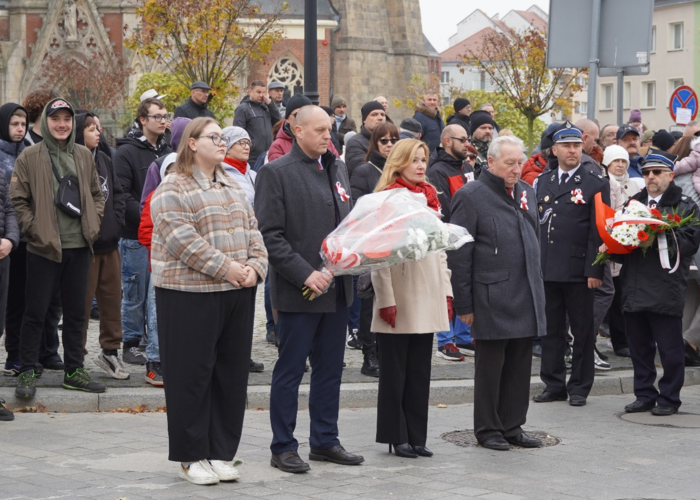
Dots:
(419, 290)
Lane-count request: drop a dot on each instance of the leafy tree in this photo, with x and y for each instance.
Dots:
(93, 82)
(515, 61)
(208, 40)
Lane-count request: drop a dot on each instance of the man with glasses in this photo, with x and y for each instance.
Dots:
(448, 171)
(196, 105)
(608, 136)
(652, 297)
(131, 161)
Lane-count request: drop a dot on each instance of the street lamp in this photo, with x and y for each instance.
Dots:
(310, 50)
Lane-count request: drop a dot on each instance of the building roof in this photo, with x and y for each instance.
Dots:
(473, 44)
(429, 47)
(536, 21)
(295, 8)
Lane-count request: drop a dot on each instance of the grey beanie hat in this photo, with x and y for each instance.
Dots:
(234, 134)
(337, 101)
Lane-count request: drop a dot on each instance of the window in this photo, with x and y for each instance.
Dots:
(583, 82)
(627, 95)
(673, 84)
(584, 108)
(482, 80)
(653, 39)
(676, 34)
(606, 92)
(648, 94)
(445, 77)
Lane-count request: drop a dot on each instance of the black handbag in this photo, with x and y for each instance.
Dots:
(68, 195)
(365, 290)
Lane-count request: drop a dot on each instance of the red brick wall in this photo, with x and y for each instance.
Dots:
(34, 23)
(260, 70)
(4, 30)
(114, 24)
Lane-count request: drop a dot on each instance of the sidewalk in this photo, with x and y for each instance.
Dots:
(600, 456)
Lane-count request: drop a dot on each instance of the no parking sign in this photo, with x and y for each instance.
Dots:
(683, 105)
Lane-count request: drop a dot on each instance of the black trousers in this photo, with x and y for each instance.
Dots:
(644, 329)
(205, 343)
(404, 387)
(44, 278)
(501, 386)
(618, 335)
(365, 335)
(15, 311)
(576, 301)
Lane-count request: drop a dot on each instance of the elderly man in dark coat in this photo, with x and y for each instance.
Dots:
(498, 290)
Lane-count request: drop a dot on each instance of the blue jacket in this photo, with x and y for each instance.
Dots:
(432, 126)
(635, 168)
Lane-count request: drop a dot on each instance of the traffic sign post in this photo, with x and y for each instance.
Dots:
(683, 105)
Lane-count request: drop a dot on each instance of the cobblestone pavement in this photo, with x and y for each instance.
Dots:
(123, 456)
(267, 353)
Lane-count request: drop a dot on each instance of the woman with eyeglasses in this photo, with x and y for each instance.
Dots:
(412, 301)
(207, 257)
(363, 181)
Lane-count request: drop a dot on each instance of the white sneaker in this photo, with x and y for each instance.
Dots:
(224, 470)
(198, 472)
(113, 365)
(599, 363)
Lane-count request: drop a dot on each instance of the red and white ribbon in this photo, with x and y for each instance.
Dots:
(341, 191)
(578, 197)
(523, 200)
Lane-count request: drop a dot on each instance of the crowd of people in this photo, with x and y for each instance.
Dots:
(166, 238)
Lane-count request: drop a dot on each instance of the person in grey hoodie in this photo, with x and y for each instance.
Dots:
(257, 116)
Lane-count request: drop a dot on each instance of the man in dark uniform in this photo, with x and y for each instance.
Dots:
(652, 297)
(569, 243)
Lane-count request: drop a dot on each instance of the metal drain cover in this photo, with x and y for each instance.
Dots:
(680, 420)
(467, 439)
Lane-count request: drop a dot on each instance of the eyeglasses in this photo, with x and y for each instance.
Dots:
(460, 139)
(244, 143)
(384, 142)
(161, 118)
(216, 139)
(471, 157)
(656, 171)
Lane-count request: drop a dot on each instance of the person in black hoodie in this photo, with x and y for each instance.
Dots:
(363, 181)
(131, 161)
(104, 277)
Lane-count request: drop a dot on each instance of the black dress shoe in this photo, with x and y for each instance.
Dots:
(692, 357)
(289, 461)
(496, 442)
(256, 367)
(640, 406)
(524, 441)
(548, 397)
(337, 455)
(403, 450)
(664, 411)
(422, 451)
(576, 400)
(624, 352)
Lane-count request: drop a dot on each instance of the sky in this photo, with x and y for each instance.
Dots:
(440, 17)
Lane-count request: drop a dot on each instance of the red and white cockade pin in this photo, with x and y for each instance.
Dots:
(523, 200)
(341, 191)
(577, 197)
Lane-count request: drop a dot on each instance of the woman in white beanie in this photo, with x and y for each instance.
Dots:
(616, 160)
(236, 160)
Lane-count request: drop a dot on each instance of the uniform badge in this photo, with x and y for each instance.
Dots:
(523, 200)
(577, 197)
(577, 179)
(341, 191)
(546, 199)
(541, 208)
(551, 179)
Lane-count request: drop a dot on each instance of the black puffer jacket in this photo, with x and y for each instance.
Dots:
(646, 286)
(447, 174)
(365, 177)
(131, 162)
(356, 149)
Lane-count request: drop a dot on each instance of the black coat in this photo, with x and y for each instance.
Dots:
(257, 119)
(356, 149)
(297, 206)
(569, 239)
(365, 177)
(497, 277)
(459, 119)
(131, 162)
(190, 109)
(113, 221)
(347, 125)
(646, 286)
(448, 174)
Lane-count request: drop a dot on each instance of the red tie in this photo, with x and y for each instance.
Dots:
(510, 192)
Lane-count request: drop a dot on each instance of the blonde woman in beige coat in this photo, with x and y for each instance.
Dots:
(412, 301)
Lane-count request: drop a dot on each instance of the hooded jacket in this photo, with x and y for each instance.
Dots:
(33, 191)
(533, 167)
(447, 174)
(190, 109)
(257, 119)
(9, 150)
(283, 144)
(112, 223)
(432, 125)
(131, 162)
(356, 149)
(347, 124)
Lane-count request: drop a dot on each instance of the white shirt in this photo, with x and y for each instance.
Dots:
(570, 172)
